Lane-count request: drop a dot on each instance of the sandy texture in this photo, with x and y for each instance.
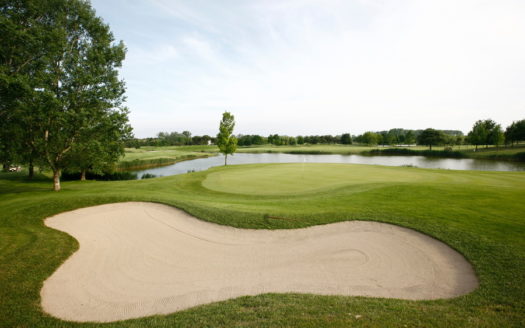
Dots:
(140, 259)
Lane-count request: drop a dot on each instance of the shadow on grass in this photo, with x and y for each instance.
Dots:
(18, 182)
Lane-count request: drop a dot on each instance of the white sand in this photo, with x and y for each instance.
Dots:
(140, 259)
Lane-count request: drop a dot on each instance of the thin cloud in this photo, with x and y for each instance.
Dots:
(297, 67)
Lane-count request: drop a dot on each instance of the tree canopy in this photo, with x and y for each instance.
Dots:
(59, 82)
(486, 132)
(515, 132)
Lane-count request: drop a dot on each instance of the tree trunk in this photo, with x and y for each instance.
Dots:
(31, 169)
(225, 158)
(56, 180)
(430, 147)
(83, 175)
(5, 167)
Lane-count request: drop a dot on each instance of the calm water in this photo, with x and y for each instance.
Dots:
(419, 161)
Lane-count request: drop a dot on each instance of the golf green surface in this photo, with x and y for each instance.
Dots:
(479, 214)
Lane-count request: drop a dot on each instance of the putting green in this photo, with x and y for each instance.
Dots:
(277, 179)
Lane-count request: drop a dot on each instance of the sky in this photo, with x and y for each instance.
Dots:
(307, 67)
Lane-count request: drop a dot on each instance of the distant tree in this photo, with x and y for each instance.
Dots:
(370, 138)
(496, 136)
(431, 137)
(410, 137)
(346, 139)
(300, 140)
(515, 132)
(257, 140)
(226, 141)
(459, 140)
(275, 139)
(187, 134)
(485, 132)
(478, 135)
(380, 139)
(391, 138)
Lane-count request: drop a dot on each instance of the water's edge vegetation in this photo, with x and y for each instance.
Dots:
(141, 164)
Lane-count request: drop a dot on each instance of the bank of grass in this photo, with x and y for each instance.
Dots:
(148, 157)
(481, 214)
(515, 153)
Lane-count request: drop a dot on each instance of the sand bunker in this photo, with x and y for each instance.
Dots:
(140, 259)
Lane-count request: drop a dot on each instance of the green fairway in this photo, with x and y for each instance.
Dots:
(480, 214)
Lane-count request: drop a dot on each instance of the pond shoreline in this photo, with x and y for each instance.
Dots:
(138, 165)
(207, 162)
(454, 154)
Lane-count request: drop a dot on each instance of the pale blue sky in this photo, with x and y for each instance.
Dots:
(319, 67)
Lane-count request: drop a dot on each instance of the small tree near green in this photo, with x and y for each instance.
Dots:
(226, 141)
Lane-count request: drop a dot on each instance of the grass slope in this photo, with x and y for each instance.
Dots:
(481, 214)
(146, 157)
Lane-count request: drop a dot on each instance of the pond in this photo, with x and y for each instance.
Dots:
(418, 161)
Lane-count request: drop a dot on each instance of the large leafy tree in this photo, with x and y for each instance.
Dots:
(70, 81)
(226, 141)
(26, 36)
(431, 137)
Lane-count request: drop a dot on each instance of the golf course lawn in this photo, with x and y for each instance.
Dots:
(480, 214)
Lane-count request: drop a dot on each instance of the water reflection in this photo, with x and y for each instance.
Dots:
(419, 161)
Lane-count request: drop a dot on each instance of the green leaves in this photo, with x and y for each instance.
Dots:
(226, 142)
(58, 75)
(431, 137)
(486, 132)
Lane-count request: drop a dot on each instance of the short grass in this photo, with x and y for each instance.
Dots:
(481, 214)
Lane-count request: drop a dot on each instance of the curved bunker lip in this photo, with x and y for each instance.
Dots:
(141, 259)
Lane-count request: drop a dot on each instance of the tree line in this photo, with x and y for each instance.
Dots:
(61, 99)
(484, 132)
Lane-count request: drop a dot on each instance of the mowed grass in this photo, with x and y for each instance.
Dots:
(480, 214)
(278, 179)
